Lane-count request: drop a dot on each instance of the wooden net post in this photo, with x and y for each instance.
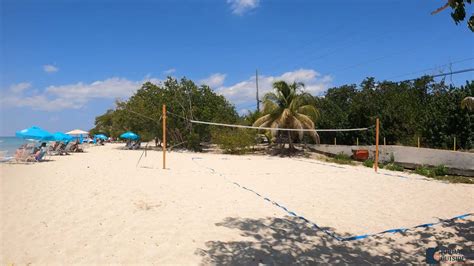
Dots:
(164, 136)
(376, 163)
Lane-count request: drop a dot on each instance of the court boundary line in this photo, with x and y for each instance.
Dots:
(328, 232)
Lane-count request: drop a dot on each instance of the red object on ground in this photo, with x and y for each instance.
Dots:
(361, 155)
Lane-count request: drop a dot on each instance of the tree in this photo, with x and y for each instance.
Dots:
(287, 107)
(141, 113)
(468, 103)
(459, 12)
(407, 110)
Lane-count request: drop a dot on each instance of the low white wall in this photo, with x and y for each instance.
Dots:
(458, 162)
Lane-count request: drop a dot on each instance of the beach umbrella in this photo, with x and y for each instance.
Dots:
(59, 136)
(35, 133)
(101, 136)
(77, 132)
(129, 135)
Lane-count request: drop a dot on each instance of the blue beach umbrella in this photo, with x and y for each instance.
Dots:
(59, 136)
(101, 136)
(35, 133)
(129, 135)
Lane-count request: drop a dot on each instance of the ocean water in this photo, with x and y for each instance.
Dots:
(9, 145)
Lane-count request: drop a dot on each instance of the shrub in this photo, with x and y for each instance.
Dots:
(193, 142)
(368, 163)
(342, 158)
(425, 171)
(440, 170)
(394, 167)
(234, 141)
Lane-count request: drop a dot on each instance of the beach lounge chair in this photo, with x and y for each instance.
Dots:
(54, 148)
(24, 153)
(68, 148)
(58, 149)
(77, 148)
(136, 145)
(39, 156)
(128, 146)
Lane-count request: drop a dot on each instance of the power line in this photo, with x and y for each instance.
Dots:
(444, 74)
(433, 68)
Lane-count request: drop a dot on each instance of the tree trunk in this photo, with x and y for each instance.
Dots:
(290, 143)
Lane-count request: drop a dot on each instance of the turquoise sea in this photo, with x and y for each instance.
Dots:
(10, 144)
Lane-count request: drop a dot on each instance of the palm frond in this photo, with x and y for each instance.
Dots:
(310, 111)
(468, 103)
(262, 120)
(296, 124)
(269, 106)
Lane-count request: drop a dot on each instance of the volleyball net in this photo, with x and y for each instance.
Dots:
(345, 136)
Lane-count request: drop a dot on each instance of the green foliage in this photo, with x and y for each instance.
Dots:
(458, 12)
(425, 171)
(193, 143)
(341, 158)
(288, 107)
(440, 170)
(141, 113)
(406, 110)
(392, 157)
(234, 141)
(368, 163)
(393, 167)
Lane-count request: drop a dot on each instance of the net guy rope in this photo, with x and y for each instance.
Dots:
(271, 128)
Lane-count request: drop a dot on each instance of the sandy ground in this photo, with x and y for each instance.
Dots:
(100, 207)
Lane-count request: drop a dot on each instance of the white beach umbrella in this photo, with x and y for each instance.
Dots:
(77, 132)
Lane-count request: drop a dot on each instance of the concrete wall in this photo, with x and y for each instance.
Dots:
(461, 163)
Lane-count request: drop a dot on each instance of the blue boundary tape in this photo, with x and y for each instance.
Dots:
(331, 233)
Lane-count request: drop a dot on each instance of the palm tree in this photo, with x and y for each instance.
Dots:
(468, 103)
(288, 107)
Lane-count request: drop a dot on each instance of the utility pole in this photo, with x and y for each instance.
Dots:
(256, 82)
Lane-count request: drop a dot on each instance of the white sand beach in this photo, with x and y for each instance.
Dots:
(99, 207)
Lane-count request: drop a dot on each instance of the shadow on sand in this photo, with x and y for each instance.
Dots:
(285, 241)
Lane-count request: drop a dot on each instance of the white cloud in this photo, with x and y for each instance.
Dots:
(71, 96)
(20, 87)
(244, 91)
(239, 7)
(169, 71)
(109, 88)
(76, 96)
(214, 80)
(50, 68)
(40, 102)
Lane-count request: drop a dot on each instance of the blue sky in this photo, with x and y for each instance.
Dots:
(64, 62)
